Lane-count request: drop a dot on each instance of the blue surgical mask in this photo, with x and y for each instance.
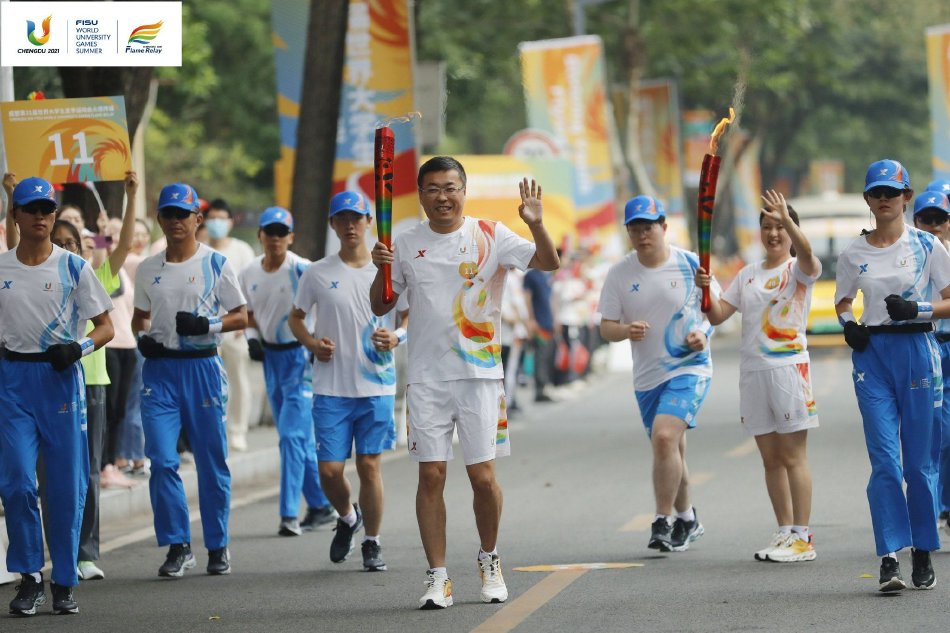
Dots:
(218, 228)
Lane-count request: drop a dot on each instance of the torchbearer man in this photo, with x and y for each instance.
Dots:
(46, 296)
(651, 299)
(178, 295)
(270, 282)
(453, 268)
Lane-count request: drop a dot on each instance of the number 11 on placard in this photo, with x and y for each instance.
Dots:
(82, 159)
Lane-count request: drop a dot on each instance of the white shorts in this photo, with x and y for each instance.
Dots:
(777, 400)
(475, 406)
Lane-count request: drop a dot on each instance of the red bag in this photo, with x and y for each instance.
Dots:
(562, 356)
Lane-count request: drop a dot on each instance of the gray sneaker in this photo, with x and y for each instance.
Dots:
(373, 556)
(289, 527)
(316, 517)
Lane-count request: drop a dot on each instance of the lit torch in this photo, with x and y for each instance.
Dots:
(383, 159)
(707, 199)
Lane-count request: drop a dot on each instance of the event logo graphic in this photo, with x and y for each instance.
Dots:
(140, 40)
(31, 32)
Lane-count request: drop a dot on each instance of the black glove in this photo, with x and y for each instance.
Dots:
(149, 347)
(900, 309)
(188, 324)
(62, 355)
(856, 336)
(255, 349)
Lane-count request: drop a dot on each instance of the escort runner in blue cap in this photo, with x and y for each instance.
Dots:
(270, 282)
(896, 379)
(940, 184)
(179, 293)
(349, 201)
(46, 296)
(643, 208)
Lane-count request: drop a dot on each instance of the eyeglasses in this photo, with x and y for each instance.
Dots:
(449, 190)
(276, 230)
(884, 192)
(39, 207)
(176, 213)
(639, 227)
(932, 220)
(69, 245)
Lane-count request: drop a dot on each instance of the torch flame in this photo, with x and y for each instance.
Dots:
(406, 118)
(719, 131)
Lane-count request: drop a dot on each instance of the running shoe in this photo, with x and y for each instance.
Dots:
(945, 522)
(64, 603)
(923, 575)
(178, 559)
(438, 593)
(316, 517)
(289, 527)
(661, 535)
(685, 532)
(343, 541)
(88, 570)
(778, 539)
(29, 595)
(373, 556)
(494, 590)
(891, 579)
(794, 549)
(219, 561)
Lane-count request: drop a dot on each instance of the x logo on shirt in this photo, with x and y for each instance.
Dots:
(157, 281)
(859, 376)
(7, 285)
(334, 284)
(634, 287)
(863, 268)
(422, 253)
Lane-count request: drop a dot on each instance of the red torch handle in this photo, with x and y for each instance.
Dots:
(384, 158)
(706, 202)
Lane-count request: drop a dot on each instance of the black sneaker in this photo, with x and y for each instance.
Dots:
(342, 543)
(318, 516)
(373, 556)
(944, 516)
(685, 532)
(63, 601)
(219, 562)
(179, 559)
(289, 527)
(661, 536)
(29, 595)
(891, 579)
(923, 573)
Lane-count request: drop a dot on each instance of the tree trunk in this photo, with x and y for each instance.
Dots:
(131, 83)
(317, 126)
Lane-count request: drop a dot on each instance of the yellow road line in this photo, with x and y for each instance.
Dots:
(743, 449)
(518, 610)
(698, 479)
(639, 523)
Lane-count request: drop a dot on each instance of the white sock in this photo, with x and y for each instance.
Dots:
(375, 539)
(350, 519)
(37, 576)
(891, 555)
(665, 517)
(801, 530)
(689, 515)
(440, 572)
(785, 529)
(483, 555)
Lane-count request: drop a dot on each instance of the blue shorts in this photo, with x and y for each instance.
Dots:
(339, 422)
(680, 397)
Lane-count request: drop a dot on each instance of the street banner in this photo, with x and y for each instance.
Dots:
(660, 142)
(377, 86)
(938, 70)
(746, 189)
(565, 96)
(67, 140)
(697, 127)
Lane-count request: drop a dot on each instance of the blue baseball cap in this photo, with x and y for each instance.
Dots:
(33, 189)
(643, 208)
(940, 184)
(179, 195)
(277, 215)
(349, 201)
(931, 200)
(886, 173)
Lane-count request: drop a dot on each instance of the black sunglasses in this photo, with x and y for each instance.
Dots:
(38, 207)
(935, 219)
(276, 230)
(884, 192)
(174, 213)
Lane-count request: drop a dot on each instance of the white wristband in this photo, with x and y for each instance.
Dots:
(844, 317)
(215, 325)
(250, 333)
(400, 335)
(925, 310)
(87, 346)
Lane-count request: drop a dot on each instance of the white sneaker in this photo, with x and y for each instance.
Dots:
(795, 549)
(493, 583)
(438, 593)
(778, 539)
(88, 570)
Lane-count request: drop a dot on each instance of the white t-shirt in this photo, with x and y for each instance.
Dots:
(774, 303)
(906, 268)
(47, 304)
(270, 296)
(456, 282)
(668, 299)
(340, 294)
(238, 252)
(204, 285)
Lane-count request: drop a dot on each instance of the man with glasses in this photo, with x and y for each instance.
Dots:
(354, 377)
(270, 282)
(931, 212)
(651, 299)
(46, 295)
(179, 293)
(453, 268)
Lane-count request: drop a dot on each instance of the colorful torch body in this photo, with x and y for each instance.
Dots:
(384, 157)
(707, 200)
